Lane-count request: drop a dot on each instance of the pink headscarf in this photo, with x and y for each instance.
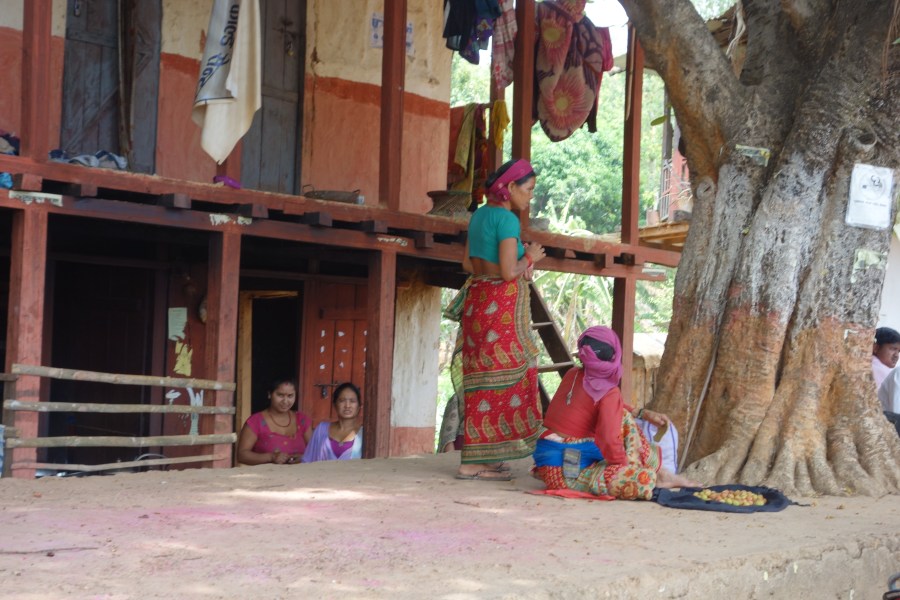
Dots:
(499, 190)
(600, 376)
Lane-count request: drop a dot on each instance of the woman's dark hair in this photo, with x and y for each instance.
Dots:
(277, 382)
(503, 169)
(886, 335)
(604, 351)
(344, 386)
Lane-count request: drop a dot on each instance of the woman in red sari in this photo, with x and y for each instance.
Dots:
(591, 442)
(494, 366)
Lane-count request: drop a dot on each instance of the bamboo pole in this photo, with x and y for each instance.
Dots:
(88, 407)
(118, 465)
(78, 441)
(121, 379)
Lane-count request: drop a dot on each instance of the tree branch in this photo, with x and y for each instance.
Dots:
(807, 18)
(699, 78)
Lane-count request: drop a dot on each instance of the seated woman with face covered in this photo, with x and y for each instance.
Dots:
(277, 434)
(341, 439)
(592, 443)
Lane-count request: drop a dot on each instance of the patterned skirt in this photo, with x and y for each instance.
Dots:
(634, 480)
(494, 369)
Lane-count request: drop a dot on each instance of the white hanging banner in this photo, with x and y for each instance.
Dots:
(870, 197)
(229, 90)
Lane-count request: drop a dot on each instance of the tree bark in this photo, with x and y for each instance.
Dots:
(766, 370)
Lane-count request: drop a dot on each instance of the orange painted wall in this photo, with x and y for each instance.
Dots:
(406, 441)
(178, 152)
(341, 141)
(11, 82)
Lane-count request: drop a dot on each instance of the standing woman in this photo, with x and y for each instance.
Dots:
(277, 434)
(341, 439)
(494, 366)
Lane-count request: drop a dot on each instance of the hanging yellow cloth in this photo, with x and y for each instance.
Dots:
(499, 121)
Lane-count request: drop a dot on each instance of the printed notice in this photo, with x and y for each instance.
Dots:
(870, 197)
(177, 321)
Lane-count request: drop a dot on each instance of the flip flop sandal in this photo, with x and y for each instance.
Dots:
(489, 475)
(503, 468)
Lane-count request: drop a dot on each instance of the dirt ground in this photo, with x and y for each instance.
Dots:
(404, 528)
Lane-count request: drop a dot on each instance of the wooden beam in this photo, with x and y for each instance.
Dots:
(121, 441)
(523, 80)
(379, 354)
(25, 325)
(373, 226)
(221, 330)
(631, 160)
(36, 79)
(119, 379)
(253, 211)
(393, 82)
(98, 407)
(28, 182)
(624, 292)
(317, 219)
(182, 201)
(624, 289)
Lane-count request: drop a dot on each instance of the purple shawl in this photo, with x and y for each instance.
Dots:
(600, 376)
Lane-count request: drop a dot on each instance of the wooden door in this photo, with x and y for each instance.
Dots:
(102, 321)
(270, 157)
(334, 348)
(99, 112)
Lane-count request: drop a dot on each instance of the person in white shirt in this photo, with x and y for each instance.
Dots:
(885, 353)
(889, 395)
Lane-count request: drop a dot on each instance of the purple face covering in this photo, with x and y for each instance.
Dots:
(600, 376)
(499, 190)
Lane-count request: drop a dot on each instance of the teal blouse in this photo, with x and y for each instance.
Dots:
(488, 227)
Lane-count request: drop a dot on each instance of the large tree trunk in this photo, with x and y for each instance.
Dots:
(766, 369)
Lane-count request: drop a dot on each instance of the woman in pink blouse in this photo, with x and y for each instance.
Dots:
(278, 434)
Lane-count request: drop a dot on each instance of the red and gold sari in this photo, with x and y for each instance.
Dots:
(494, 369)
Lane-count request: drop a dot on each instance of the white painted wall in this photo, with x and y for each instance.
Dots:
(889, 313)
(416, 337)
(12, 14)
(338, 44)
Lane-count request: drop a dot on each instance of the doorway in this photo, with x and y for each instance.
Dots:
(268, 346)
(102, 321)
(111, 79)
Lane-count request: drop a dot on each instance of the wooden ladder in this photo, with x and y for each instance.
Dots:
(542, 322)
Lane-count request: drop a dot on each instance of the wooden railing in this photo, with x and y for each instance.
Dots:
(11, 406)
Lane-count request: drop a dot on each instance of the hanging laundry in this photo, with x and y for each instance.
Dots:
(504, 49)
(468, 25)
(499, 121)
(570, 58)
(467, 165)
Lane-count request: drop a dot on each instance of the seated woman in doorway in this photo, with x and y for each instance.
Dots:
(277, 434)
(591, 443)
(341, 439)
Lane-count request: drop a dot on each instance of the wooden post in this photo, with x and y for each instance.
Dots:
(631, 159)
(624, 289)
(221, 330)
(393, 81)
(27, 281)
(523, 80)
(36, 80)
(382, 290)
(523, 87)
